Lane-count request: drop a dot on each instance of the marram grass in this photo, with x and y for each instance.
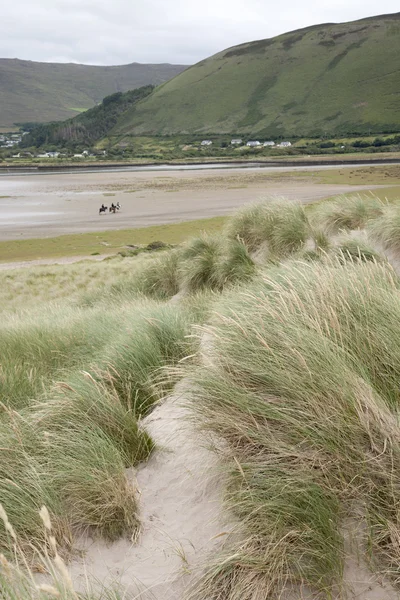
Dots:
(279, 224)
(18, 578)
(301, 383)
(348, 212)
(386, 230)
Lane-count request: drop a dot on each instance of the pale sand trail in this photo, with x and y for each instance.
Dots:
(184, 524)
(180, 501)
(50, 205)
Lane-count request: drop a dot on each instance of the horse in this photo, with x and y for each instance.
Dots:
(102, 209)
(113, 208)
(118, 206)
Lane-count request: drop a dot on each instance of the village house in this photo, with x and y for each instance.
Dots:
(270, 143)
(237, 142)
(206, 143)
(253, 143)
(284, 144)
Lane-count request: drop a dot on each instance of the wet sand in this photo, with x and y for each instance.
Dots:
(33, 206)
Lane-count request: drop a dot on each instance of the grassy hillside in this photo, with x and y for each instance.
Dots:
(91, 125)
(326, 79)
(42, 92)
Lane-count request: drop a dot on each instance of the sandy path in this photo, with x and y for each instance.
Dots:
(180, 510)
(50, 205)
(184, 525)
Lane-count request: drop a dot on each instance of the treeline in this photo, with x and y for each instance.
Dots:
(89, 126)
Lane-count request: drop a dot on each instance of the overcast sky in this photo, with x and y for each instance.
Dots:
(111, 32)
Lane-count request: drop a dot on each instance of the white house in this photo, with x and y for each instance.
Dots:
(271, 143)
(206, 143)
(53, 154)
(285, 144)
(236, 142)
(253, 144)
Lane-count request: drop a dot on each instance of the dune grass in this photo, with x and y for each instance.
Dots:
(282, 225)
(19, 581)
(288, 338)
(76, 378)
(355, 249)
(348, 212)
(301, 383)
(386, 229)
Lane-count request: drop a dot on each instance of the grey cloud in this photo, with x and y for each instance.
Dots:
(176, 31)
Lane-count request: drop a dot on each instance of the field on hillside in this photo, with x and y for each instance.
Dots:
(277, 339)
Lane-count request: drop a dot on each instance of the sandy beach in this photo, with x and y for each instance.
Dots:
(46, 205)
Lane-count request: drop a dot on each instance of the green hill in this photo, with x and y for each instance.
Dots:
(331, 78)
(43, 92)
(89, 126)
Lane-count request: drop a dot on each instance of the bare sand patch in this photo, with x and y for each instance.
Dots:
(180, 497)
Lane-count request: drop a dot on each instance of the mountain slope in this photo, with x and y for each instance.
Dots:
(88, 127)
(331, 78)
(42, 92)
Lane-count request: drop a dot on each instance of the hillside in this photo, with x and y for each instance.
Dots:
(43, 92)
(326, 79)
(89, 126)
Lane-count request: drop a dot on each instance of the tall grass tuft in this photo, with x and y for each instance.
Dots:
(38, 347)
(355, 249)
(348, 212)
(282, 225)
(87, 471)
(235, 264)
(18, 581)
(158, 277)
(24, 486)
(386, 230)
(198, 264)
(302, 385)
(156, 337)
(90, 399)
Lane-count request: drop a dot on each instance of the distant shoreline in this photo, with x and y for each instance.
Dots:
(225, 164)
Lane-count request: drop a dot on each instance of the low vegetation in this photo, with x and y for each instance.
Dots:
(285, 328)
(298, 385)
(349, 212)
